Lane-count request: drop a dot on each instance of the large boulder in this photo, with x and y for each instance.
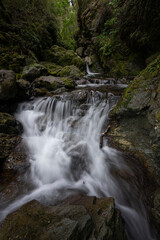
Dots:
(46, 85)
(8, 87)
(34, 71)
(67, 71)
(78, 218)
(63, 57)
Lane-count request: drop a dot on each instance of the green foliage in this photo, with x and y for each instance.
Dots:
(32, 28)
(67, 18)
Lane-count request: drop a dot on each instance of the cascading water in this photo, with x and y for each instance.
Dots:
(62, 138)
(89, 73)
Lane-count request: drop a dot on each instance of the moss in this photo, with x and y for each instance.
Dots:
(63, 57)
(71, 71)
(18, 75)
(69, 83)
(146, 81)
(52, 68)
(158, 115)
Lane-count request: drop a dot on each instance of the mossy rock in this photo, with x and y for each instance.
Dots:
(141, 91)
(67, 71)
(34, 71)
(52, 68)
(71, 71)
(46, 85)
(63, 57)
(69, 83)
(11, 59)
(79, 218)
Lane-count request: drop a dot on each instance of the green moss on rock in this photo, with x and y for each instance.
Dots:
(34, 71)
(63, 57)
(69, 83)
(141, 91)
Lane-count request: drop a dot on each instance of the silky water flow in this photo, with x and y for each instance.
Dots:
(62, 139)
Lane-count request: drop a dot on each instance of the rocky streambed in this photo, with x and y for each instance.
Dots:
(56, 180)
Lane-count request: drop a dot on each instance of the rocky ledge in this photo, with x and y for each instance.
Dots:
(78, 217)
(136, 126)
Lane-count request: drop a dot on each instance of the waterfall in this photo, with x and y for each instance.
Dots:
(89, 73)
(62, 139)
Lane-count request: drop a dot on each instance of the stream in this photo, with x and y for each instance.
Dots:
(62, 137)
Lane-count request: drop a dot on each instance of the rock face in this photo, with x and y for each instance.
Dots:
(79, 217)
(136, 123)
(34, 71)
(91, 17)
(7, 85)
(117, 34)
(9, 129)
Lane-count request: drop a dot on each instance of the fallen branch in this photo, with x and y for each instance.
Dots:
(102, 135)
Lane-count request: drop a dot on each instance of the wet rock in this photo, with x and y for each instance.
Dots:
(8, 124)
(60, 90)
(80, 96)
(78, 217)
(9, 129)
(12, 159)
(136, 124)
(12, 180)
(81, 82)
(33, 71)
(7, 143)
(8, 87)
(47, 84)
(156, 210)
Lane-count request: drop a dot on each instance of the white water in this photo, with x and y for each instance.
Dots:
(89, 73)
(64, 155)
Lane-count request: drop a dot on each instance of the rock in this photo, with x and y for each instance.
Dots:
(8, 124)
(23, 89)
(12, 180)
(60, 90)
(34, 71)
(79, 217)
(81, 82)
(136, 124)
(71, 71)
(52, 68)
(79, 51)
(67, 71)
(8, 87)
(46, 84)
(63, 57)
(7, 143)
(88, 60)
(156, 210)
(9, 129)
